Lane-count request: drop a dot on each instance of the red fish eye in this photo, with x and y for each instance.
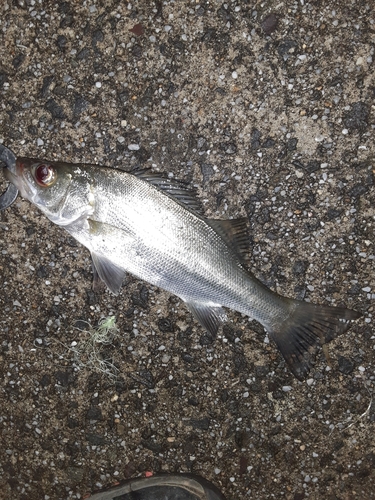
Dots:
(44, 174)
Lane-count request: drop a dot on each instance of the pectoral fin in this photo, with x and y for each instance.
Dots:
(112, 275)
(209, 316)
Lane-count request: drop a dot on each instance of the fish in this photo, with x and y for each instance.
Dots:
(153, 227)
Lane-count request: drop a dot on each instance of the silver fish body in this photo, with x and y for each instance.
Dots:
(151, 227)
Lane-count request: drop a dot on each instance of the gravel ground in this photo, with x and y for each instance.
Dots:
(268, 110)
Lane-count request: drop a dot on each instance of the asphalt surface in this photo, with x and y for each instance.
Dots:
(268, 109)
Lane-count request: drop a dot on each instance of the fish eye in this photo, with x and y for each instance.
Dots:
(45, 175)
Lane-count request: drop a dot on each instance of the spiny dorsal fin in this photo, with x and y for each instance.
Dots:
(175, 188)
(235, 233)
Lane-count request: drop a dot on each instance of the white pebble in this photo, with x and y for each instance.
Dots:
(134, 147)
(98, 85)
(234, 75)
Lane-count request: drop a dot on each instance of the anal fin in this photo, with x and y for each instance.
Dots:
(209, 316)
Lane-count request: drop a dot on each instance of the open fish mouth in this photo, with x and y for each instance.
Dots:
(11, 192)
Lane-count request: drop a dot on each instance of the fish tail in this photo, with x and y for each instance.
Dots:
(308, 326)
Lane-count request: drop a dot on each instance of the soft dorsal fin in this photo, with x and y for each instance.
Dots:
(235, 233)
(175, 188)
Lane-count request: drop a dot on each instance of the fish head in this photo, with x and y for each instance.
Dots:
(62, 191)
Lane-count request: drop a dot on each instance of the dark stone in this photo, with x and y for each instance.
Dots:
(230, 148)
(45, 380)
(255, 387)
(42, 272)
(140, 299)
(67, 21)
(220, 197)
(201, 423)
(145, 378)
(165, 325)
(137, 51)
(299, 495)
(268, 143)
(83, 54)
(62, 378)
(47, 80)
(357, 117)
(18, 60)
(287, 48)
(75, 474)
(261, 371)
(355, 290)
(300, 267)
(193, 402)
(229, 332)
(312, 166)
(206, 339)
(3, 78)
(207, 171)
(188, 358)
(97, 37)
(334, 213)
(346, 366)
(292, 144)
(94, 413)
(153, 446)
(264, 216)
(59, 90)
(269, 23)
(72, 423)
(224, 14)
(64, 7)
(80, 104)
(92, 381)
(240, 363)
(61, 42)
(55, 109)
(95, 439)
(224, 395)
(358, 190)
(91, 297)
(242, 438)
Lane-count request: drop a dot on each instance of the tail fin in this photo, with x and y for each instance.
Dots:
(308, 326)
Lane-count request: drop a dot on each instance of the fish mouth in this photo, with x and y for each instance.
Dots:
(10, 194)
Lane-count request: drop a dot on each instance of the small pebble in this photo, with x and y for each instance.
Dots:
(287, 388)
